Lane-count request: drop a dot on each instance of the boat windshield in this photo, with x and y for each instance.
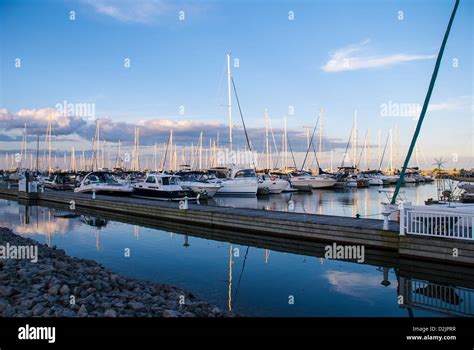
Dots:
(169, 181)
(245, 173)
(100, 178)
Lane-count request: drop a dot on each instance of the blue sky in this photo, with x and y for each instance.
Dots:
(181, 63)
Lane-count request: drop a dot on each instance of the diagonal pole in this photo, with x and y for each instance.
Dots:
(425, 104)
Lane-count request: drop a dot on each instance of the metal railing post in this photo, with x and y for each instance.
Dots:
(402, 218)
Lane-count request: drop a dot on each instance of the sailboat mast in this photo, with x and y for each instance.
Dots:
(378, 147)
(229, 101)
(200, 151)
(320, 135)
(391, 151)
(267, 155)
(285, 145)
(49, 143)
(354, 143)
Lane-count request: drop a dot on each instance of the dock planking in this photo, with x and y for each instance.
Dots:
(278, 224)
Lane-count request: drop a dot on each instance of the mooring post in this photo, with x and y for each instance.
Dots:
(401, 208)
(184, 204)
(386, 213)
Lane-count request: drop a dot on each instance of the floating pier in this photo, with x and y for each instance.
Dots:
(299, 228)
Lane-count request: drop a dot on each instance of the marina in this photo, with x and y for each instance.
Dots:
(259, 271)
(243, 167)
(449, 243)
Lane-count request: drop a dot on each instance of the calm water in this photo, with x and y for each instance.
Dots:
(367, 202)
(258, 282)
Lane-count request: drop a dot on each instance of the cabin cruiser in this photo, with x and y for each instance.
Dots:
(467, 196)
(377, 178)
(285, 177)
(372, 179)
(467, 186)
(129, 177)
(161, 186)
(409, 178)
(357, 180)
(60, 182)
(303, 180)
(429, 178)
(102, 182)
(199, 182)
(343, 177)
(271, 184)
(236, 182)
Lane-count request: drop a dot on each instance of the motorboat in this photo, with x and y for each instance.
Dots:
(303, 180)
(199, 182)
(271, 184)
(60, 182)
(376, 178)
(161, 186)
(102, 182)
(467, 186)
(410, 178)
(285, 177)
(357, 180)
(372, 179)
(429, 178)
(236, 182)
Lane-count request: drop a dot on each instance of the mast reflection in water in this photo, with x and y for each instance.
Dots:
(251, 278)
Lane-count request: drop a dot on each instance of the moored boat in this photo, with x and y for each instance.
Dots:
(102, 182)
(161, 186)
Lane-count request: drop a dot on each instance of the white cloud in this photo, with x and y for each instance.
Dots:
(352, 283)
(460, 103)
(139, 11)
(352, 57)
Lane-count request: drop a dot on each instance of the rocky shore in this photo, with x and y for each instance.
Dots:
(61, 286)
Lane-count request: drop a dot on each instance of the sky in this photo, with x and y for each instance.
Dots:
(159, 64)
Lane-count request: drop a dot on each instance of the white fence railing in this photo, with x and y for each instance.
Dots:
(451, 300)
(429, 221)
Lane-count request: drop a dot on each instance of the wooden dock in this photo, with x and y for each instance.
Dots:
(279, 227)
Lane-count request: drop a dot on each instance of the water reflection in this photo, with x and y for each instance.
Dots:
(247, 277)
(365, 202)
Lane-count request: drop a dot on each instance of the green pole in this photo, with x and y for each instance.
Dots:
(425, 104)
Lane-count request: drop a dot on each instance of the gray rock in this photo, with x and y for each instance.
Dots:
(6, 291)
(171, 313)
(82, 312)
(53, 290)
(38, 309)
(68, 313)
(216, 311)
(3, 305)
(110, 313)
(64, 290)
(134, 305)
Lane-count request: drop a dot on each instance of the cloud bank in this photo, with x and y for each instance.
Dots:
(153, 130)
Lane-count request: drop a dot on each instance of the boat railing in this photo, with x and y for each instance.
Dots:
(438, 298)
(440, 222)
